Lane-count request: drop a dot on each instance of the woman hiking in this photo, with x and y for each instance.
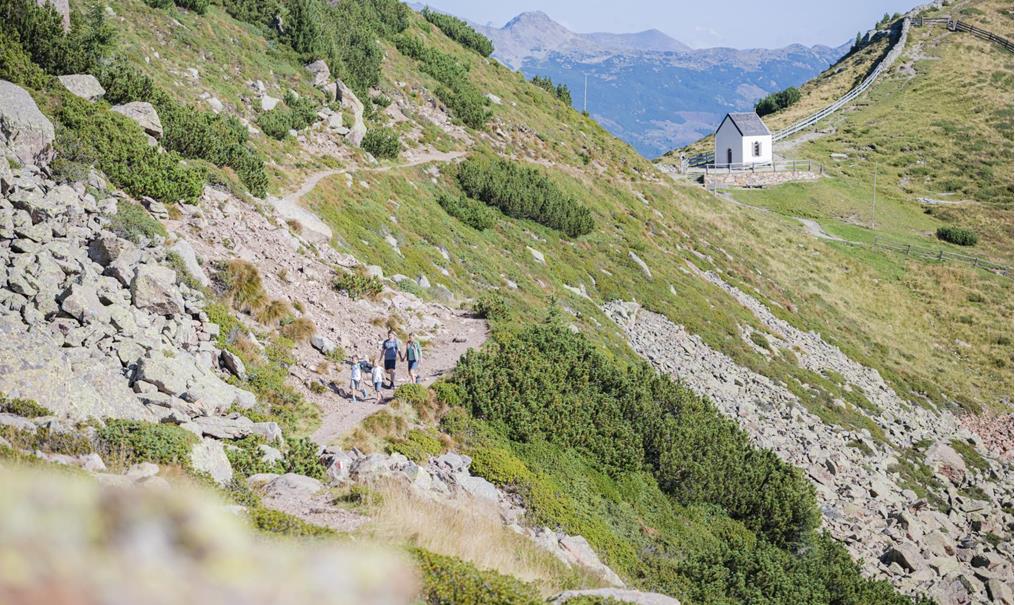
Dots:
(413, 354)
(391, 352)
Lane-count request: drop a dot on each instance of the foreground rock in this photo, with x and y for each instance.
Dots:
(24, 131)
(144, 114)
(72, 536)
(85, 86)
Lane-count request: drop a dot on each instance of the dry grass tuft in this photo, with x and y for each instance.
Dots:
(272, 313)
(472, 532)
(243, 287)
(299, 330)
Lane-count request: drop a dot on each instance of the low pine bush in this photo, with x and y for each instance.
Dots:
(134, 441)
(276, 522)
(464, 100)
(447, 580)
(96, 135)
(357, 285)
(460, 32)
(22, 407)
(490, 306)
(475, 214)
(417, 446)
(523, 192)
(777, 100)
(561, 91)
(382, 143)
(38, 29)
(296, 113)
(198, 6)
(957, 236)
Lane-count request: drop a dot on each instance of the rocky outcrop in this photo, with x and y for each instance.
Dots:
(85, 86)
(25, 132)
(918, 545)
(144, 114)
(93, 325)
(358, 128)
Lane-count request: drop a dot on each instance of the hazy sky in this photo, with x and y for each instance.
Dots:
(735, 23)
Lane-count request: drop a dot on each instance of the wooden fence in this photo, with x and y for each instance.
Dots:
(780, 166)
(933, 255)
(961, 26)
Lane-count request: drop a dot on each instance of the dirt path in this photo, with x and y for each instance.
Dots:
(812, 227)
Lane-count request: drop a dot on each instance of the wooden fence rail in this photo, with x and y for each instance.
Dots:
(962, 26)
(935, 255)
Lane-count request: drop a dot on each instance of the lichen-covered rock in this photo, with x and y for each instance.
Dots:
(208, 456)
(144, 114)
(85, 86)
(154, 289)
(24, 131)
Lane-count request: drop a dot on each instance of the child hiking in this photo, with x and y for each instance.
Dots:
(356, 379)
(413, 354)
(377, 377)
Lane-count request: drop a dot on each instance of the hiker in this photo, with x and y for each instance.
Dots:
(391, 352)
(356, 378)
(413, 354)
(377, 376)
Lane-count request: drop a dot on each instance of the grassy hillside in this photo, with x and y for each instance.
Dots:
(901, 317)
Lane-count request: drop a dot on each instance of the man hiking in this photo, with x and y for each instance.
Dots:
(391, 352)
(413, 354)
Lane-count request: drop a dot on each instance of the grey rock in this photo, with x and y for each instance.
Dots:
(234, 364)
(323, 344)
(144, 114)
(319, 72)
(70, 382)
(270, 455)
(154, 289)
(906, 555)
(536, 254)
(478, 487)
(142, 470)
(85, 86)
(291, 485)
(349, 100)
(339, 466)
(82, 303)
(641, 264)
(107, 248)
(423, 282)
(209, 456)
(186, 253)
(221, 427)
(24, 130)
(270, 431)
(17, 422)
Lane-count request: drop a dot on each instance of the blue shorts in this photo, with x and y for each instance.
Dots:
(377, 386)
(413, 364)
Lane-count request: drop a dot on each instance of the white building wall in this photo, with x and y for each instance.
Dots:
(747, 149)
(728, 137)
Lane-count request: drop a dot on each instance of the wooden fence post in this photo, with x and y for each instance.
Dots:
(908, 248)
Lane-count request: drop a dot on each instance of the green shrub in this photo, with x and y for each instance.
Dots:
(134, 223)
(451, 581)
(464, 100)
(245, 458)
(138, 441)
(217, 138)
(475, 214)
(456, 420)
(417, 446)
(382, 143)
(276, 522)
(777, 100)
(448, 393)
(357, 285)
(523, 192)
(120, 149)
(198, 6)
(39, 30)
(561, 91)
(460, 32)
(17, 67)
(491, 306)
(302, 456)
(957, 236)
(22, 407)
(550, 384)
(70, 443)
(296, 113)
(413, 394)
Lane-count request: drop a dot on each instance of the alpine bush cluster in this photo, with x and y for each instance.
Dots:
(134, 441)
(475, 214)
(344, 34)
(777, 100)
(215, 138)
(551, 384)
(96, 135)
(448, 580)
(460, 32)
(957, 236)
(456, 91)
(561, 91)
(523, 192)
(296, 113)
(39, 31)
(382, 143)
(357, 285)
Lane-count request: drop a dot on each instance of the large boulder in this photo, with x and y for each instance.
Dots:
(68, 381)
(943, 458)
(180, 375)
(24, 131)
(154, 289)
(145, 116)
(185, 251)
(209, 456)
(85, 86)
(320, 73)
(349, 100)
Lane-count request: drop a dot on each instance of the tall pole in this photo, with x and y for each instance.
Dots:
(585, 108)
(874, 201)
